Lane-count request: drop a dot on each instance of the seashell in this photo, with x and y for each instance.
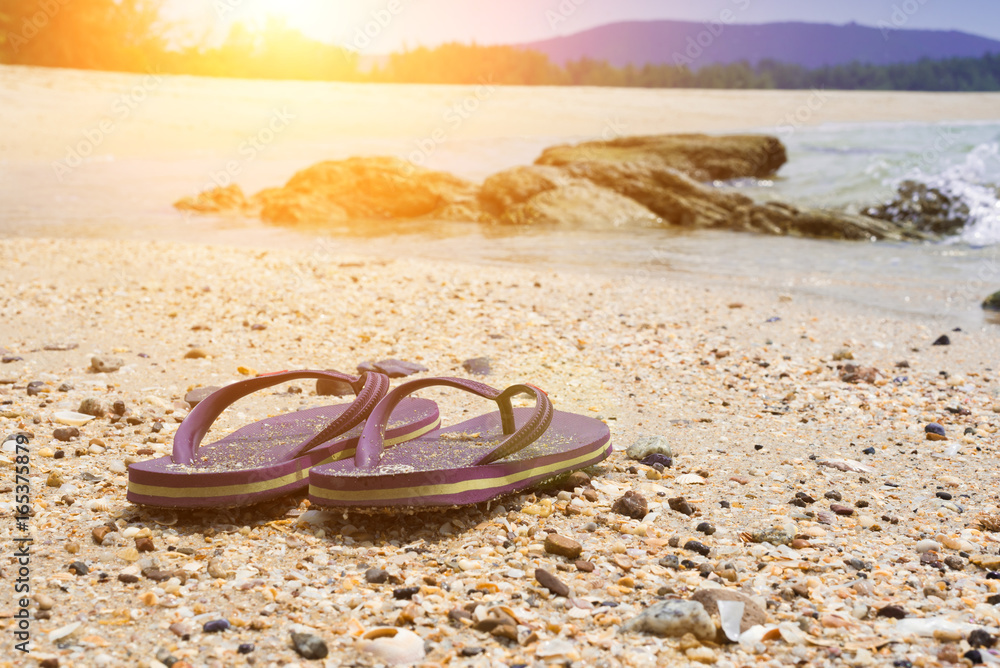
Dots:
(689, 479)
(101, 505)
(852, 465)
(731, 617)
(63, 631)
(72, 418)
(131, 532)
(392, 645)
(774, 535)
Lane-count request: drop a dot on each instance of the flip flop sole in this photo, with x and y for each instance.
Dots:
(218, 480)
(412, 474)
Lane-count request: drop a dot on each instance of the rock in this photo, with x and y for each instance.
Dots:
(9, 359)
(217, 569)
(393, 646)
(575, 480)
(506, 190)
(326, 387)
(892, 612)
(98, 533)
(992, 303)
(216, 626)
(753, 614)
(34, 388)
(55, 479)
(92, 406)
(195, 354)
(65, 433)
(697, 547)
(942, 340)
(479, 366)
(194, 397)
(702, 157)
(935, 432)
(144, 545)
(705, 528)
(858, 374)
(977, 638)
(405, 593)
(923, 207)
(846, 511)
(927, 546)
(78, 568)
(106, 363)
(562, 546)
(217, 200)
(551, 582)
(631, 504)
(309, 646)
(392, 368)
(673, 618)
(376, 188)
(376, 576)
(581, 205)
(644, 446)
(118, 407)
(680, 505)
(843, 354)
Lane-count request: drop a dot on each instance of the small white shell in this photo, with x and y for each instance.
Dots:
(392, 645)
(689, 479)
(101, 505)
(72, 418)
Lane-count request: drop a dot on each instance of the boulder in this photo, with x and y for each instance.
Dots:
(580, 205)
(924, 208)
(992, 303)
(504, 190)
(701, 157)
(216, 200)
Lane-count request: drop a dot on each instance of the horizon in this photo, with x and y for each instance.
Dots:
(394, 25)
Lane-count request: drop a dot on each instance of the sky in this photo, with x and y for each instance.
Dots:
(381, 26)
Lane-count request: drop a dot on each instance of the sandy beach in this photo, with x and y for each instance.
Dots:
(744, 384)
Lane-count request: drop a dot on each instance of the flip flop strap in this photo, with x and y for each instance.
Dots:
(200, 419)
(370, 445)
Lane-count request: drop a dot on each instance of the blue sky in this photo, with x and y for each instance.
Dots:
(394, 23)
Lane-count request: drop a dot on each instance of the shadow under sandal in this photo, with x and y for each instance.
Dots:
(271, 457)
(474, 461)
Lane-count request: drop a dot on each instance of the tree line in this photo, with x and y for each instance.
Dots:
(131, 36)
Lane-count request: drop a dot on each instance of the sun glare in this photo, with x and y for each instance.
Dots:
(306, 15)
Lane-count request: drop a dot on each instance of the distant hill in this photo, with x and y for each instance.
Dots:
(810, 45)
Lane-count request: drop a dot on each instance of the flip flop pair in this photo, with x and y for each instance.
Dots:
(399, 457)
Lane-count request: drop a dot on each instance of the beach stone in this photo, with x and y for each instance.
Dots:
(55, 479)
(679, 504)
(562, 546)
(644, 446)
(195, 354)
(833, 495)
(631, 504)
(326, 387)
(891, 611)
(705, 528)
(8, 359)
(575, 480)
(670, 561)
(144, 545)
(551, 582)
(935, 432)
(78, 568)
(92, 406)
(106, 363)
(245, 648)
(927, 546)
(846, 511)
(584, 566)
(376, 576)
(478, 366)
(215, 200)
(673, 618)
(753, 614)
(217, 569)
(34, 388)
(45, 602)
(942, 340)
(216, 626)
(977, 637)
(405, 593)
(992, 303)
(397, 368)
(118, 407)
(98, 533)
(194, 397)
(65, 433)
(697, 547)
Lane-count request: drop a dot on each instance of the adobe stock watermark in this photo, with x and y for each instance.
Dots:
(804, 113)
(250, 148)
(562, 12)
(696, 45)
(899, 17)
(453, 118)
(366, 34)
(32, 25)
(121, 110)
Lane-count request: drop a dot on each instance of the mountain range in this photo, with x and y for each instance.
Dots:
(810, 45)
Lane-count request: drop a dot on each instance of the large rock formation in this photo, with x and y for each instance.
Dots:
(923, 207)
(702, 157)
(627, 181)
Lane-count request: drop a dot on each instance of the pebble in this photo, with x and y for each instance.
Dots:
(942, 340)
(393, 368)
(644, 446)
(680, 505)
(551, 582)
(846, 511)
(216, 626)
(216, 569)
(977, 637)
(584, 566)
(54, 479)
(699, 548)
(309, 646)
(562, 546)
(753, 614)
(405, 593)
(376, 576)
(106, 363)
(118, 407)
(574, 480)
(927, 546)
(328, 387)
(34, 388)
(98, 533)
(673, 618)
(91, 406)
(477, 366)
(631, 504)
(705, 528)
(670, 561)
(935, 432)
(195, 354)
(44, 601)
(78, 568)
(65, 433)
(833, 495)
(943, 495)
(245, 648)
(891, 611)
(144, 545)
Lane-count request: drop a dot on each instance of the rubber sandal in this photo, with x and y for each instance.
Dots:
(474, 461)
(271, 457)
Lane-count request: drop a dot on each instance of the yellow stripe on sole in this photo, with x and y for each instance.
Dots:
(447, 488)
(263, 485)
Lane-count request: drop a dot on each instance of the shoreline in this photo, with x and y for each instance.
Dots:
(708, 367)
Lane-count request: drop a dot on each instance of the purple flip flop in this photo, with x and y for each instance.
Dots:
(271, 457)
(474, 461)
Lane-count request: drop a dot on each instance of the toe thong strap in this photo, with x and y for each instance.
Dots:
(370, 445)
(370, 388)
